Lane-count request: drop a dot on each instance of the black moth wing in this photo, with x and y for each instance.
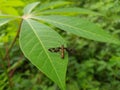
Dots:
(57, 49)
(69, 50)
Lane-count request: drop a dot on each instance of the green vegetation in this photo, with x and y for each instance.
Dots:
(29, 29)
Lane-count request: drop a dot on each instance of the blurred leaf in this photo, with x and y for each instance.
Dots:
(101, 66)
(35, 48)
(52, 5)
(6, 15)
(12, 3)
(73, 86)
(7, 6)
(10, 10)
(28, 9)
(80, 27)
(4, 21)
(114, 61)
(3, 81)
(70, 11)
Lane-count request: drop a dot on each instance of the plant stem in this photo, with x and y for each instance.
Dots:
(7, 54)
(8, 66)
(13, 42)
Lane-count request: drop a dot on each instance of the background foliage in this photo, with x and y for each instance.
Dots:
(94, 66)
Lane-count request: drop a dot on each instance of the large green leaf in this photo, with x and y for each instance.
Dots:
(35, 40)
(28, 9)
(80, 27)
(69, 11)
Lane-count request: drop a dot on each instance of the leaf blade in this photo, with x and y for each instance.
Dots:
(80, 27)
(4, 21)
(28, 9)
(71, 11)
(50, 64)
(53, 4)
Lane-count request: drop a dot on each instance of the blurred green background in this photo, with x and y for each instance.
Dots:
(94, 65)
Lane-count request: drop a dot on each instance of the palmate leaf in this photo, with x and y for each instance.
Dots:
(35, 40)
(80, 27)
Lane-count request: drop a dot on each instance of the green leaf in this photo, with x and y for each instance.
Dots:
(4, 21)
(7, 6)
(4, 18)
(8, 16)
(28, 9)
(35, 40)
(10, 10)
(11, 3)
(80, 27)
(69, 11)
(53, 5)
(73, 86)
